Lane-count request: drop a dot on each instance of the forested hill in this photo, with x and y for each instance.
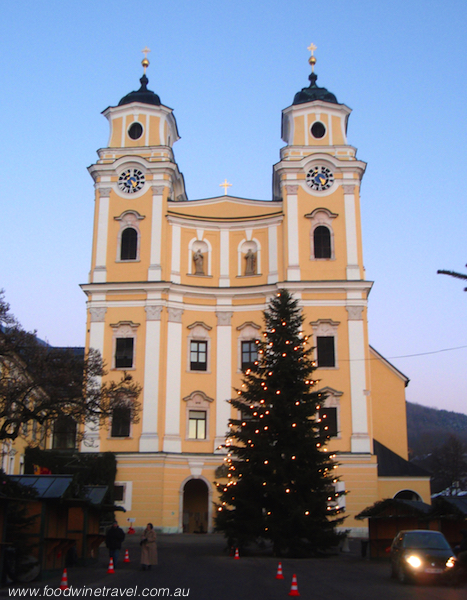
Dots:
(428, 428)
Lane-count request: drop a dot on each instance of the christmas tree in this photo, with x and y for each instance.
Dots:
(280, 476)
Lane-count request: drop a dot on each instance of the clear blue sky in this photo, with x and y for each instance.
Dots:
(228, 69)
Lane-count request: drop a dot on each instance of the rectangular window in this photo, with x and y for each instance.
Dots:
(197, 424)
(121, 420)
(325, 351)
(249, 354)
(119, 493)
(124, 353)
(328, 423)
(198, 356)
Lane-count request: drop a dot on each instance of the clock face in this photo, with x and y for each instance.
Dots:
(131, 181)
(319, 178)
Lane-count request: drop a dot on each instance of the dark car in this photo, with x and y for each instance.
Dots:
(421, 555)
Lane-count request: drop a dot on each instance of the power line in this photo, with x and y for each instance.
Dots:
(432, 352)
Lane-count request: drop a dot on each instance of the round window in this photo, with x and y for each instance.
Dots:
(318, 130)
(135, 131)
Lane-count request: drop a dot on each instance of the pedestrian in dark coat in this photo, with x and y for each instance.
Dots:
(113, 541)
(148, 548)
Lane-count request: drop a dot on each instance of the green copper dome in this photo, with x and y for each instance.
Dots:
(313, 92)
(143, 95)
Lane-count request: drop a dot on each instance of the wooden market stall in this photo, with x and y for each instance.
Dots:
(66, 530)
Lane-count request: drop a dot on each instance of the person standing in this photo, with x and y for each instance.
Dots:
(113, 541)
(148, 548)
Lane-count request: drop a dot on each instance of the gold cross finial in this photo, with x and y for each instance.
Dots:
(145, 61)
(225, 185)
(312, 59)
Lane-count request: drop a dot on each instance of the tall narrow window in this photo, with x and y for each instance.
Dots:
(124, 353)
(129, 244)
(322, 242)
(328, 423)
(198, 355)
(325, 351)
(249, 354)
(121, 419)
(64, 434)
(197, 424)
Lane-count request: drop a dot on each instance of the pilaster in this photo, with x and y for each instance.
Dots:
(353, 269)
(149, 441)
(172, 439)
(360, 439)
(99, 274)
(176, 239)
(224, 375)
(293, 267)
(224, 280)
(155, 268)
(273, 275)
(91, 441)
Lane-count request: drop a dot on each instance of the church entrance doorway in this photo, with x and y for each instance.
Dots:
(195, 506)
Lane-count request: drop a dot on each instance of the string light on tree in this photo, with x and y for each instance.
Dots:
(278, 397)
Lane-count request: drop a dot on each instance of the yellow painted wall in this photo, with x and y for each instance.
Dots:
(388, 408)
(388, 487)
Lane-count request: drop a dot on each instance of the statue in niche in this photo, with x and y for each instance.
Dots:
(250, 258)
(198, 259)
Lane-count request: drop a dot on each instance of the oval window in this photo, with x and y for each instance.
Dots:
(318, 130)
(135, 131)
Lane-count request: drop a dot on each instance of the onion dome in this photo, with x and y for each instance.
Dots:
(143, 95)
(313, 92)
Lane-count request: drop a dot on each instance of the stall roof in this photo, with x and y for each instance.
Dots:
(46, 486)
(455, 505)
(395, 507)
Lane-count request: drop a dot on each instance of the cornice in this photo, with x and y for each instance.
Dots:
(340, 165)
(212, 223)
(230, 294)
(136, 108)
(318, 106)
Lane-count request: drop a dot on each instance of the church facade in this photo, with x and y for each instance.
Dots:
(176, 293)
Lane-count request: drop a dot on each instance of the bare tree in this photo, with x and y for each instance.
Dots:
(454, 274)
(40, 383)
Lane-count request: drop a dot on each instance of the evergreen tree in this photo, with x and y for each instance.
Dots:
(280, 477)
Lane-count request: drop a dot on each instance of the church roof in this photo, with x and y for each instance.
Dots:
(313, 92)
(142, 95)
(391, 464)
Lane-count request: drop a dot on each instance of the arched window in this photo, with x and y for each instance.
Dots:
(129, 244)
(322, 242)
(64, 434)
(322, 234)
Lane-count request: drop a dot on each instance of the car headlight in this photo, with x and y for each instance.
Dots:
(414, 561)
(451, 562)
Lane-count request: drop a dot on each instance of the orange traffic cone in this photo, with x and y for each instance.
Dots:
(64, 581)
(294, 589)
(237, 555)
(111, 566)
(279, 572)
(127, 556)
